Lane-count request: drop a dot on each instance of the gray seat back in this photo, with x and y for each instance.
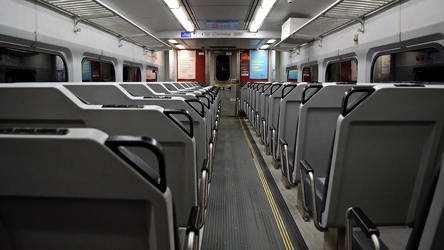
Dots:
(244, 96)
(273, 106)
(158, 88)
(431, 237)
(50, 105)
(145, 90)
(69, 190)
(251, 90)
(316, 128)
(263, 112)
(109, 93)
(384, 152)
(289, 115)
(257, 104)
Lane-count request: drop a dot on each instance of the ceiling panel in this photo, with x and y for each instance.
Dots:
(155, 17)
(152, 15)
(108, 18)
(336, 16)
(217, 3)
(221, 12)
(210, 43)
(282, 11)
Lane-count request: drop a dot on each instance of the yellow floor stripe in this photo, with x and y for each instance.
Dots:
(277, 215)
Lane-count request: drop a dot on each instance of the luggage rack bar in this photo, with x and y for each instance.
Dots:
(338, 15)
(101, 16)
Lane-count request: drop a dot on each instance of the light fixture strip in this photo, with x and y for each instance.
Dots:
(172, 4)
(261, 13)
(179, 13)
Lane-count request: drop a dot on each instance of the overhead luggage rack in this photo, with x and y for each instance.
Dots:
(101, 16)
(337, 15)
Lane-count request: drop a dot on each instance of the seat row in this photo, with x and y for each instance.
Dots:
(352, 145)
(183, 124)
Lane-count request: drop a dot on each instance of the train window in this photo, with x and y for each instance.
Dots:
(424, 65)
(292, 75)
(131, 73)
(310, 73)
(97, 71)
(222, 68)
(343, 71)
(151, 74)
(21, 65)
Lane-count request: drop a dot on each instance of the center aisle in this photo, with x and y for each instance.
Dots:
(245, 208)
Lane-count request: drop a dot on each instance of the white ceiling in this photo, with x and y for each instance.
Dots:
(155, 17)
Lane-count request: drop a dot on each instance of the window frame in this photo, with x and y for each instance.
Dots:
(101, 61)
(310, 65)
(341, 60)
(131, 65)
(288, 69)
(151, 68)
(40, 50)
(376, 55)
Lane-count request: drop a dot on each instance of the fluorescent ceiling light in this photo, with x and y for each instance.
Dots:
(261, 14)
(172, 4)
(254, 26)
(183, 19)
(271, 41)
(180, 46)
(265, 46)
(267, 4)
(172, 41)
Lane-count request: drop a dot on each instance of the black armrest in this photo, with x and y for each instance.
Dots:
(170, 112)
(306, 167)
(204, 166)
(361, 219)
(203, 191)
(368, 228)
(192, 232)
(193, 220)
(285, 167)
(119, 143)
(283, 142)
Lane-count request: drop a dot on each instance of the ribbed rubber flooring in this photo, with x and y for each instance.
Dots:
(239, 215)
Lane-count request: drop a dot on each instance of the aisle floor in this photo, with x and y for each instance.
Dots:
(246, 208)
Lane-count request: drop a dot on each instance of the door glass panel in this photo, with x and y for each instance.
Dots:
(222, 68)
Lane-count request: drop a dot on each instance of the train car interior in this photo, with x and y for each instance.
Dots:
(235, 124)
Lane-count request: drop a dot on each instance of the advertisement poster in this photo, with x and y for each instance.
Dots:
(258, 64)
(186, 65)
(150, 74)
(385, 60)
(293, 74)
(86, 70)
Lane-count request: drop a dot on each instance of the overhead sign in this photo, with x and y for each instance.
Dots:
(219, 34)
(187, 34)
(222, 24)
(259, 64)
